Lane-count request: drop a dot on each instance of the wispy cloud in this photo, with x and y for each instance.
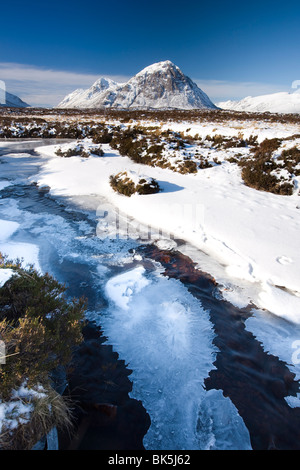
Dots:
(219, 90)
(45, 87)
(40, 86)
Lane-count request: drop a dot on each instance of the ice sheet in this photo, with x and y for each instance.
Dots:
(166, 337)
(7, 229)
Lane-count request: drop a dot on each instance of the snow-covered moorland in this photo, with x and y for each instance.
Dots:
(252, 235)
(228, 184)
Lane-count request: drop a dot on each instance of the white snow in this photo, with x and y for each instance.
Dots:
(13, 250)
(249, 241)
(19, 408)
(5, 275)
(282, 102)
(165, 337)
(121, 288)
(7, 229)
(280, 302)
(139, 92)
(27, 252)
(250, 233)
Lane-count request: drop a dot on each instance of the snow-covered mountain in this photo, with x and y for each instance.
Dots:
(282, 102)
(13, 101)
(159, 86)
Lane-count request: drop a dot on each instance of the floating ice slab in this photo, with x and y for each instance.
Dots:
(121, 288)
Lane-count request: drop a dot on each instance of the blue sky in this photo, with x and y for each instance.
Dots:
(231, 49)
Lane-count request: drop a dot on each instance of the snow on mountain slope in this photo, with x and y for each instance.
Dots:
(14, 102)
(282, 102)
(89, 97)
(159, 86)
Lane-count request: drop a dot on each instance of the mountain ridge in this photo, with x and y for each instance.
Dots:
(159, 86)
(281, 102)
(13, 101)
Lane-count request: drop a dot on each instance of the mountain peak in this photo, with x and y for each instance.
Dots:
(158, 66)
(103, 83)
(161, 85)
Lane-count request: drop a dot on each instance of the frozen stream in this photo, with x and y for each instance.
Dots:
(166, 362)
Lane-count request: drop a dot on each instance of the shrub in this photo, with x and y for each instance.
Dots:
(256, 177)
(291, 160)
(122, 184)
(266, 148)
(104, 137)
(80, 151)
(97, 151)
(38, 326)
(258, 172)
(72, 152)
(204, 163)
(225, 142)
(147, 187)
(187, 166)
(40, 329)
(125, 185)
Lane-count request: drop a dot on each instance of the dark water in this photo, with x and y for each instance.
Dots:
(99, 383)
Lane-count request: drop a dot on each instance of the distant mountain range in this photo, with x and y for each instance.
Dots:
(282, 102)
(163, 86)
(159, 86)
(13, 101)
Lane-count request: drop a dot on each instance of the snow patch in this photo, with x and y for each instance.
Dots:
(5, 275)
(18, 410)
(280, 302)
(282, 102)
